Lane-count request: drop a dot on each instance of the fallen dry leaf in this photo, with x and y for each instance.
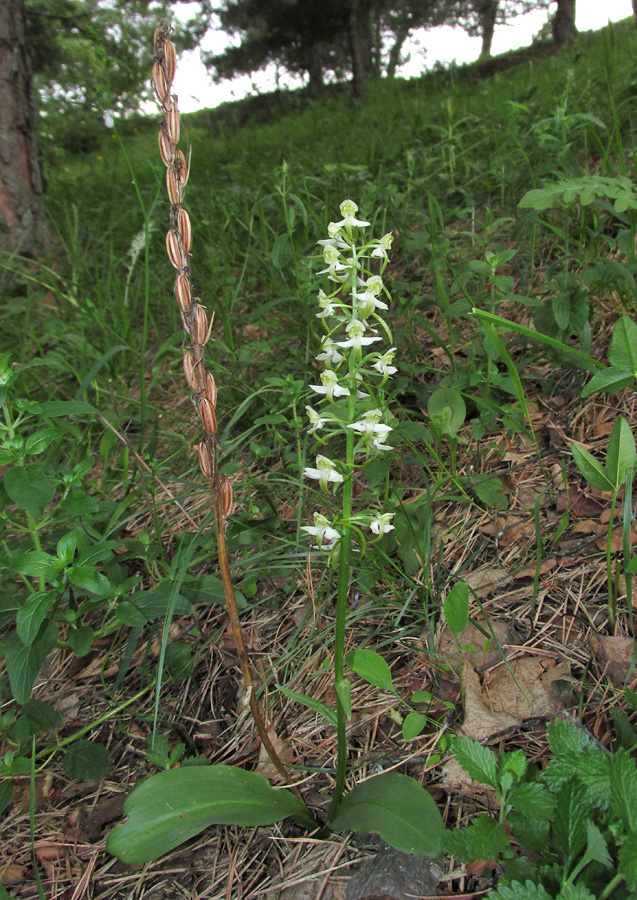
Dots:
(487, 580)
(454, 778)
(473, 637)
(510, 695)
(614, 654)
(11, 874)
(265, 767)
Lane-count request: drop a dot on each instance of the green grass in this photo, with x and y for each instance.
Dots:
(442, 162)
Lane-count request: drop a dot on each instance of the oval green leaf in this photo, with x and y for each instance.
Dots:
(370, 666)
(399, 809)
(173, 806)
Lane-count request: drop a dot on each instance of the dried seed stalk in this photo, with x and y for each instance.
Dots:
(198, 328)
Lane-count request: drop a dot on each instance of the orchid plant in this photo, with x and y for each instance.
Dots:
(175, 804)
(351, 406)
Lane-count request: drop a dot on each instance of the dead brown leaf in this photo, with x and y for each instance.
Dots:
(11, 874)
(614, 653)
(511, 694)
(486, 652)
(265, 767)
(487, 580)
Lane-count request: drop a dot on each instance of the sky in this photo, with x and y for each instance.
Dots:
(445, 44)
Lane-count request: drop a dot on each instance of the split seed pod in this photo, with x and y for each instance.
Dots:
(173, 249)
(208, 417)
(226, 497)
(159, 82)
(210, 390)
(201, 326)
(205, 460)
(172, 122)
(182, 292)
(189, 369)
(164, 147)
(185, 230)
(170, 62)
(173, 185)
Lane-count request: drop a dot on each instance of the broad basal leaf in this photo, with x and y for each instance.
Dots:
(371, 666)
(592, 470)
(621, 454)
(623, 346)
(398, 809)
(167, 809)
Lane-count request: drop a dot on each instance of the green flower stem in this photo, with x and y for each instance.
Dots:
(343, 582)
(612, 594)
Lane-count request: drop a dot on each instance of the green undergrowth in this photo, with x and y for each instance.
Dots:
(512, 201)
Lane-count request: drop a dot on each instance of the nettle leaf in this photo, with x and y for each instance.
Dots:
(317, 705)
(41, 716)
(623, 785)
(370, 666)
(479, 762)
(86, 760)
(622, 353)
(610, 379)
(564, 737)
(572, 812)
(596, 848)
(80, 639)
(621, 453)
(483, 839)
(30, 488)
(532, 799)
(627, 859)
(456, 607)
(24, 662)
(592, 470)
(518, 891)
(171, 807)
(396, 807)
(576, 892)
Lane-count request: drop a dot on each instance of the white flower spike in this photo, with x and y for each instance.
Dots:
(355, 329)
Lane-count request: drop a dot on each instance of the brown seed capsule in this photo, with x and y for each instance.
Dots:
(170, 62)
(189, 368)
(185, 231)
(205, 460)
(182, 292)
(226, 497)
(182, 167)
(208, 417)
(164, 148)
(173, 249)
(211, 388)
(172, 122)
(173, 186)
(201, 326)
(159, 82)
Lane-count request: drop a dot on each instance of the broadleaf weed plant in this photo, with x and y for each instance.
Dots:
(175, 804)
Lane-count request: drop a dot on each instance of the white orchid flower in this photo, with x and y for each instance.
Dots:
(326, 536)
(348, 210)
(329, 355)
(316, 420)
(355, 329)
(330, 386)
(382, 524)
(383, 245)
(326, 304)
(325, 472)
(370, 426)
(384, 364)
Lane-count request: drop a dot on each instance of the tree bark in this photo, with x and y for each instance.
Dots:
(21, 180)
(487, 12)
(315, 70)
(356, 50)
(564, 28)
(635, 10)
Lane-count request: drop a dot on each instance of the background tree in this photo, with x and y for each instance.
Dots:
(564, 28)
(21, 181)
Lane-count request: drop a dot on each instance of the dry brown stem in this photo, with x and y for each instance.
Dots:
(198, 328)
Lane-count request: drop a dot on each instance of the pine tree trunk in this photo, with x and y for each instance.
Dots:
(315, 70)
(564, 28)
(635, 10)
(488, 13)
(21, 180)
(356, 50)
